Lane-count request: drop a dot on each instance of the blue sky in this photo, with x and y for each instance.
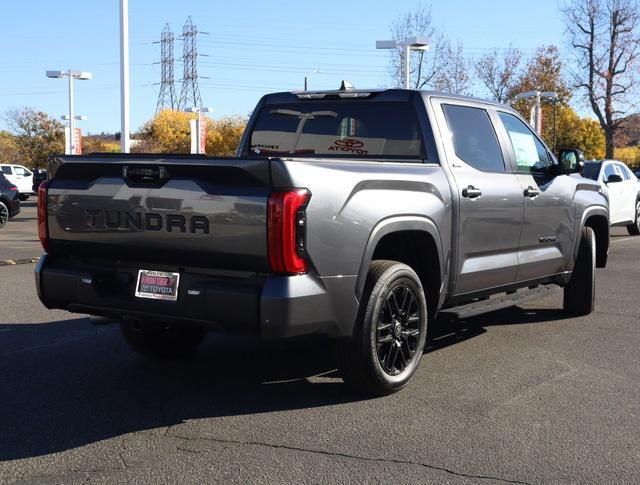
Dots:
(253, 47)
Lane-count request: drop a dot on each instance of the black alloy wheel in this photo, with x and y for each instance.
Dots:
(384, 351)
(398, 329)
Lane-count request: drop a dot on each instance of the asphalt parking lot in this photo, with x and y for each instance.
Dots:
(523, 395)
(19, 238)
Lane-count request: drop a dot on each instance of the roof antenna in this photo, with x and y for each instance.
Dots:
(346, 85)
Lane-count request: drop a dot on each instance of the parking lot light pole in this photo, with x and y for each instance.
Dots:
(72, 134)
(199, 111)
(306, 78)
(537, 113)
(407, 45)
(82, 75)
(125, 143)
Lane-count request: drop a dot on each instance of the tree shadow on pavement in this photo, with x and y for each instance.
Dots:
(67, 384)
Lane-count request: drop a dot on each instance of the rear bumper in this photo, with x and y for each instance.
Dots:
(14, 207)
(268, 306)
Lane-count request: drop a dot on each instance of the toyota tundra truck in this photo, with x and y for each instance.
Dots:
(357, 214)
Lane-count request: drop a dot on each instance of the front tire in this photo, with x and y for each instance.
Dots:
(161, 341)
(634, 229)
(579, 294)
(389, 336)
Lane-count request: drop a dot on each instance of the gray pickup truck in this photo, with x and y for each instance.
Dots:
(357, 214)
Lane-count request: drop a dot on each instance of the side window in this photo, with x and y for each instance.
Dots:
(20, 171)
(609, 169)
(531, 154)
(474, 138)
(623, 172)
(6, 170)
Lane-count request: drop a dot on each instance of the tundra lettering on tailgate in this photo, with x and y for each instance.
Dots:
(148, 221)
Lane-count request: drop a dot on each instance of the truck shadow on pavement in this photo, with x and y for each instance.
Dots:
(68, 384)
(448, 331)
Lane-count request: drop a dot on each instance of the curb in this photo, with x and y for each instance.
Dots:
(13, 262)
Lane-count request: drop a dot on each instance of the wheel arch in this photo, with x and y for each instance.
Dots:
(597, 219)
(406, 239)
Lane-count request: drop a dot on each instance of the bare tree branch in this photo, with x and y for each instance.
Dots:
(500, 73)
(605, 38)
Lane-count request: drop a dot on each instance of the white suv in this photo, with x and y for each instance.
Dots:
(623, 189)
(21, 177)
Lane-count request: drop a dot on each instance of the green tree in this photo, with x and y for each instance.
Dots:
(544, 72)
(223, 135)
(170, 132)
(577, 132)
(8, 148)
(97, 144)
(167, 132)
(36, 135)
(500, 73)
(604, 36)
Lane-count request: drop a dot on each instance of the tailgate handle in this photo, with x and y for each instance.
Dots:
(145, 175)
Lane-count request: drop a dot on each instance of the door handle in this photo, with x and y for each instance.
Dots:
(471, 192)
(531, 192)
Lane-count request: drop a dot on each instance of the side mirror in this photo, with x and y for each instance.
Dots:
(613, 178)
(571, 160)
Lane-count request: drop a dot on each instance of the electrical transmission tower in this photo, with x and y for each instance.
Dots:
(167, 97)
(190, 94)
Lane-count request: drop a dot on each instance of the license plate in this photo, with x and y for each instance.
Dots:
(157, 285)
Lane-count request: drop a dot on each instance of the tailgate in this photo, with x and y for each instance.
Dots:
(209, 213)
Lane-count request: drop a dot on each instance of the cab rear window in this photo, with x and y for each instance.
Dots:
(338, 129)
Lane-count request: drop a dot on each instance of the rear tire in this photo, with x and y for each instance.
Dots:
(160, 341)
(4, 214)
(23, 197)
(579, 294)
(634, 229)
(389, 335)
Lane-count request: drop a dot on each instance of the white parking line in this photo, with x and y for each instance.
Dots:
(623, 239)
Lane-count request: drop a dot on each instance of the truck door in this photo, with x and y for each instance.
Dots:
(489, 214)
(629, 189)
(546, 243)
(615, 191)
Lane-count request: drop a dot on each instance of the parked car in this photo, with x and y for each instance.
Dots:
(39, 176)
(623, 190)
(21, 177)
(9, 200)
(357, 214)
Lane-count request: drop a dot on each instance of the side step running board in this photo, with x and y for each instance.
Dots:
(499, 302)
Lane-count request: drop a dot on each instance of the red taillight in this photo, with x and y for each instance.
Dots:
(13, 188)
(287, 231)
(43, 228)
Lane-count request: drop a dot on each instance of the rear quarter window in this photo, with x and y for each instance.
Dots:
(6, 170)
(474, 139)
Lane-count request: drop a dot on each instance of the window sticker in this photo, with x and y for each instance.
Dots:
(525, 148)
